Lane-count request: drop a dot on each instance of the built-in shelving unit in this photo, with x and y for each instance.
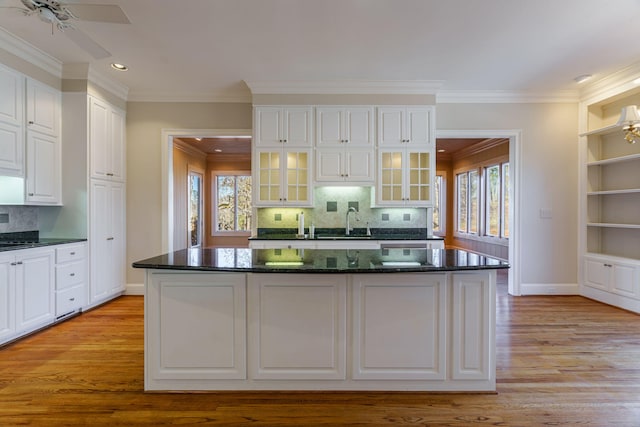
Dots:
(610, 200)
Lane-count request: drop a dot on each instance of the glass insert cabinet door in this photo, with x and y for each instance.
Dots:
(405, 176)
(283, 177)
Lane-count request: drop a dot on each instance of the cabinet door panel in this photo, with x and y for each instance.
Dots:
(118, 142)
(101, 271)
(118, 245)
(268, 123)
(298, 127)
(390, 126)
(35, 290)
(360, 165)
(11, 149)
(11, 97)
(298, 325)
(597, 274)
(359, 126)
(419, 126)
(329, 125)
(43, 108)
(7, 296)
(43, 182)
(99, 139)
(329, 165)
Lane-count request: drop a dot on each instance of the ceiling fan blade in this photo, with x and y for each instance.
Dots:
(86, 43)
(110, 13)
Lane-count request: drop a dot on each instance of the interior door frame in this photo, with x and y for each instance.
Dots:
(515, 161)
(166, 141)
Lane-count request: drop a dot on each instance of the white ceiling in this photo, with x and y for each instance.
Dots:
(206, 49)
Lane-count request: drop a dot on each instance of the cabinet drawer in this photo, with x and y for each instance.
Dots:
(70, 274)
(69, 300)
(68, 253)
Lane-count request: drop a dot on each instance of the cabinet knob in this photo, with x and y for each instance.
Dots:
(30, 194)
(72, 253)
(72, 274)
(72, 299)
(30, 122)
(13, 263)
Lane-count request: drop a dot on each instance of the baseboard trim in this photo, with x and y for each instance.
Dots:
(549, 289)
(134, 289)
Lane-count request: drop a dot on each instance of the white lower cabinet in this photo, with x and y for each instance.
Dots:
(613, 280)
(281, 331)
(399, 326)
(316, 348)
(71, 278)
(107, 240)
(203, 327)
(26, 291)
(473, 320)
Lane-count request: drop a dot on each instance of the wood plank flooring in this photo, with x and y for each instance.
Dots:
(562, 361)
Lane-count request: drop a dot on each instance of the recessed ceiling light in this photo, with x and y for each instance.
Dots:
(198, 139)
(442, 150)
(583, 78)
(217, 150)
(119, 67)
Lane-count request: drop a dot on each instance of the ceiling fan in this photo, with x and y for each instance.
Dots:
(60, 15)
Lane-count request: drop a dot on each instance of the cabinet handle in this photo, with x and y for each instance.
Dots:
(109, 174)
(30, 122)
(608, 265)
(72, 274)
(72, 253)
(13, 263)
(19, 263)
(109, 238)
(72, 299)
(30, 194)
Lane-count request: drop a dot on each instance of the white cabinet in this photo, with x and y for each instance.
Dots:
(473, 327)
(106, 140)
(26, 291)
(43, 174)
(613, 275)
(43, 169)
(316, 350)
(196, 313)
(276, 126)
(30, 112)
(346, 165)
(405, 177)
(345, 145)
(11, 122)
(336, 126)
(282, 177)
(406, 125)
(609, 238)
(107, 240)
(410, 346)
(71, 278)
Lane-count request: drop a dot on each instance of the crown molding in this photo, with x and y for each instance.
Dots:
(612, 84)
(347, 87)
(153, 96)
(189, 149)
(505, 97)
(26, 51)
(108, 83)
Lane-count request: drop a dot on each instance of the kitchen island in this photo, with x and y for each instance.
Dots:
(301, 319)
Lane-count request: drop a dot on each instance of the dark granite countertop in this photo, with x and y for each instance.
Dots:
(14, 241)
(321, 260)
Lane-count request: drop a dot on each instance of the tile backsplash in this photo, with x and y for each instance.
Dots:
(20, 218)
(330, 208)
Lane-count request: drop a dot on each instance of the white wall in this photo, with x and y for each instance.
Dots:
(548, 176)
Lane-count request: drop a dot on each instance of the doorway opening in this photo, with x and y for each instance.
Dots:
(483, 152)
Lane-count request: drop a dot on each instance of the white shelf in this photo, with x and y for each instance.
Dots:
(614, 160)
(607, 192)
(612, 225)
(603, 131)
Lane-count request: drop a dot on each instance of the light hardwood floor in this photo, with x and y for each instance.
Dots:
(561, 361)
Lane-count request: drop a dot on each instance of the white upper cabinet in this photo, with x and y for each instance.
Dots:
(43, 108)
(406, 125)
(43, 169)
(11, 122)
(340, 126)
(277, 126)
(107, 140)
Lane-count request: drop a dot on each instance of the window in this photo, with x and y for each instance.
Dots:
(482, 201)
(232, 205)
(195, 209)
(438, 206)
(467, 201)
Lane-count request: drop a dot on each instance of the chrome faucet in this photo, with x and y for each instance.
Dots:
(348, 228)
